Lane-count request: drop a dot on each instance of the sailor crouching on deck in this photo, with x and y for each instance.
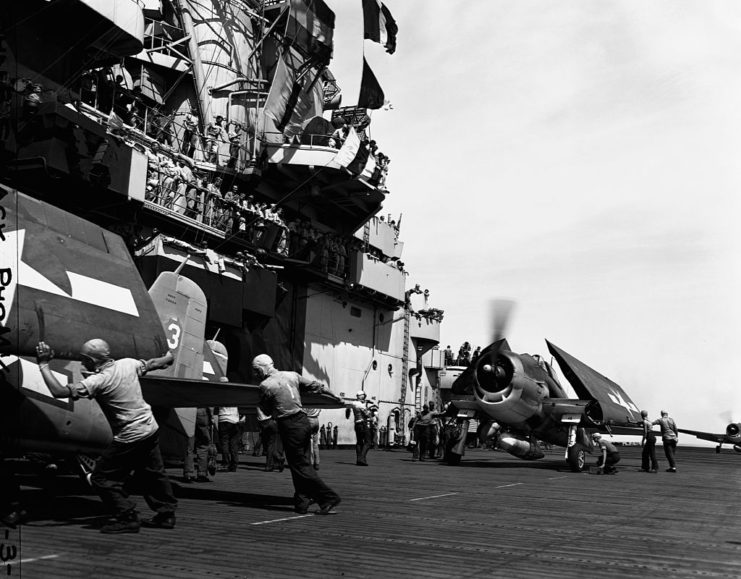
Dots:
(610, 456)
(280, 398)
(115, 385)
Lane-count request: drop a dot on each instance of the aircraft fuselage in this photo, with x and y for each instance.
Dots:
(32, 420)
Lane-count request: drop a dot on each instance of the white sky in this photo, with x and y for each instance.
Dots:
(582, 158)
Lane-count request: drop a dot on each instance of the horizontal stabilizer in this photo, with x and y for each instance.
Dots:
(614, 406)
(172, 392)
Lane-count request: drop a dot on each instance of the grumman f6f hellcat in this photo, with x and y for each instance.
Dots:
(731, 436)
(520, 403)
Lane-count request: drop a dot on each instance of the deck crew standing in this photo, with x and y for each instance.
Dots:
(424, 432)
(648, 456)
(361, 414)
(115, 386)
(271, 442)
(230, 435)
(669, 438)
(195, 461)
(313, 414)
(280, 397)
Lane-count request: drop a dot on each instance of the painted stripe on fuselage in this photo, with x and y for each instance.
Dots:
(32, 378)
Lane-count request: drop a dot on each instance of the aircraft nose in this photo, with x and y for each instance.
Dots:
(493, 377)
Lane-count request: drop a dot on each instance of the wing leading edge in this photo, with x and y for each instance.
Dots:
(170, 392)
(705, 435)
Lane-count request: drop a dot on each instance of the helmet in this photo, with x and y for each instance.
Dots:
(596, 436)
(97, 349)
(360, 394)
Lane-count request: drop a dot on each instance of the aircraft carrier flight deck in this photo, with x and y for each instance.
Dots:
(492, 516)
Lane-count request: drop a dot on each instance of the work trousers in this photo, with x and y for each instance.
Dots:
(612, 459)
(143, 457)
(230, 435)
(648, 456)
(295, 431)
(314, 421)
(195, 462)
(670, 447)
(425, 436)
(271, 442)
(362, 442)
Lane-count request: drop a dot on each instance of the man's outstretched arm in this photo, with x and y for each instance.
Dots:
(44, 354)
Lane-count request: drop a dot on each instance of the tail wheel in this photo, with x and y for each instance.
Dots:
(577, 458)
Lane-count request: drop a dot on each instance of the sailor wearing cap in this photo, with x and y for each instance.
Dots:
(610, 456)
(280, 397)
(115, 386)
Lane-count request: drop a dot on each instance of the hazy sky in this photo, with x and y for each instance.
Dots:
(582, 158)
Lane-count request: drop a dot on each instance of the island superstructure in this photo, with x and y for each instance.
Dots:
(209, 133)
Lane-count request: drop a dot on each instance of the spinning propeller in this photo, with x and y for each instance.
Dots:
(500, 313)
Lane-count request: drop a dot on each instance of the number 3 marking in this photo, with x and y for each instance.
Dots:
(174, 340)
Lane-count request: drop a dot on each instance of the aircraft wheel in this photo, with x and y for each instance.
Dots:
(577, 458)
(717, 449)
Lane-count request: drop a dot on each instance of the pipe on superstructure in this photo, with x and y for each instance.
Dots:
(195, 55)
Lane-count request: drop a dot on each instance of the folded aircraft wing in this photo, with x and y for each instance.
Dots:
(612, 405)
(67, 280)
(705, 435)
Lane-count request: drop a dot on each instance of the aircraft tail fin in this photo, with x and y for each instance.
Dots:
(181, 307)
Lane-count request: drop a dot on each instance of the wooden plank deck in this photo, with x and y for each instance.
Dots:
(493, 516)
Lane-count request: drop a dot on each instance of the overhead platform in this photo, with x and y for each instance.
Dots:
(96, 30)
(231, 286)
(304, 175)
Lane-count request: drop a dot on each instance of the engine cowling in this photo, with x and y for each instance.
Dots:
(509, 387)
(733, 431)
